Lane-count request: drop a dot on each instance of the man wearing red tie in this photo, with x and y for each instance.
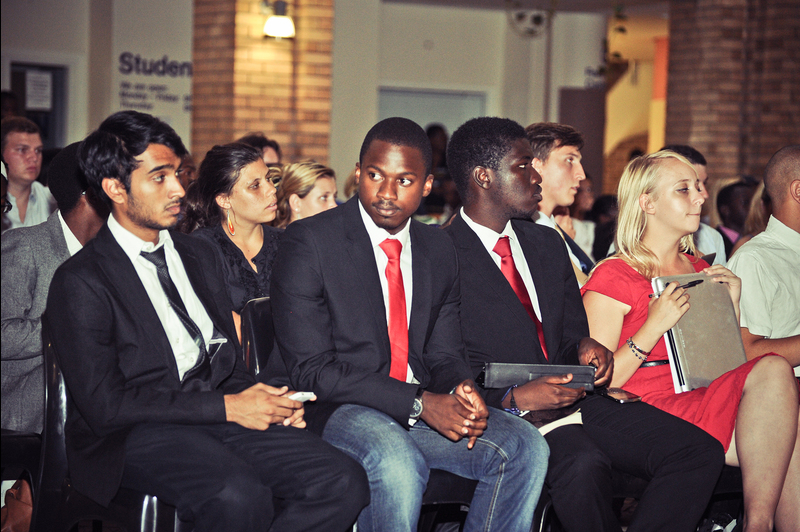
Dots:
(365, 305)
(520, 304)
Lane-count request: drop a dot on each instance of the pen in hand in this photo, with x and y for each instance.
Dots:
(684, 286)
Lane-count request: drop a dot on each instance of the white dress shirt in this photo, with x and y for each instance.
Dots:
(768, 267)
(489, 240)
(184, 349)
(376, 236)
(40, 205)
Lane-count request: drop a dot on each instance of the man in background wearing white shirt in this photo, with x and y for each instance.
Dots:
(768, 265)
(21, 146)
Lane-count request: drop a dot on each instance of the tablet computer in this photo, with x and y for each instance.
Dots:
(501, 375)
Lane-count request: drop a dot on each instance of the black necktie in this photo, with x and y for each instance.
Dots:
(159, 259)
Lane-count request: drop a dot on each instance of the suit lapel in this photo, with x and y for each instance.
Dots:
(365, 269)
(479, 259)
(131, 293)
(539, 272)
(194, 270)
(421, 296)
(58, 242)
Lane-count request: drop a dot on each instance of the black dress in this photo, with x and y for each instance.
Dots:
(242, 281)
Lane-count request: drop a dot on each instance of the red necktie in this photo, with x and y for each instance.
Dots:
(503, 248)
(398, 323)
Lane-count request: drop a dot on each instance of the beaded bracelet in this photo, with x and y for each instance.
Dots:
(513, 410)
(637, 351)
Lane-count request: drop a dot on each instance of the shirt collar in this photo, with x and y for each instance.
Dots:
(131, 244)
(378, 234)
(73, 244)
(783, 232)
(488, 237)
(549, 221)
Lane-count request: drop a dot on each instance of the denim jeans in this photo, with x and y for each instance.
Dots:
(509, 460)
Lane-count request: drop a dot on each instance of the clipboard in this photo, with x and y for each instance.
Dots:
(706, 342)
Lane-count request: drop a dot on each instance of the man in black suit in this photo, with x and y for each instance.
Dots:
(160, 400)
(543, 322)
(365, 305)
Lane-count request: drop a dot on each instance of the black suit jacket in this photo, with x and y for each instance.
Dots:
(116, 359)
(495, 325)
(330, 319)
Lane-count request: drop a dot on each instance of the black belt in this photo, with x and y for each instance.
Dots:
(654, 363)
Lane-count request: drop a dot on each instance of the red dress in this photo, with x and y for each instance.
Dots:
(714, 408)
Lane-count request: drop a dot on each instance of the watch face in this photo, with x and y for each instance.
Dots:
(416, 411)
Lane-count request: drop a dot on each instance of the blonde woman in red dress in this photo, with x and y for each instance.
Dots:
(752, 410)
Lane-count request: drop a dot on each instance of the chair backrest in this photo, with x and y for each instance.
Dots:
(258, 334)
(54, 469)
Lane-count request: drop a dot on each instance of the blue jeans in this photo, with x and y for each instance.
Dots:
(509, 461)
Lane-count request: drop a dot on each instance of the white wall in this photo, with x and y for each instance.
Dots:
(354, 95)
(411, 46)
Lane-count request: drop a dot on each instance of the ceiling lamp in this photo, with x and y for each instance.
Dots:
(278, 24)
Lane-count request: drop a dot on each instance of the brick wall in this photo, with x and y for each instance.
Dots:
(282, 88)
(618, 158)
(734, 80)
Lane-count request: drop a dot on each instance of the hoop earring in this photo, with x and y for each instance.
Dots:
(231, 229)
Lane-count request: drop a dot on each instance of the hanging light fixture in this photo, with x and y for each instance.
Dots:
(278, 24)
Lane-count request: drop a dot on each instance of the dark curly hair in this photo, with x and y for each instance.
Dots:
(218, 173)
(400, 132)
(483, 142)
(111, 151)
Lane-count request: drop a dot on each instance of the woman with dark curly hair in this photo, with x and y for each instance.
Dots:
(230, 205)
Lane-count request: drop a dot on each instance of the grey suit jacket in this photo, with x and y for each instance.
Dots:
(30, 256)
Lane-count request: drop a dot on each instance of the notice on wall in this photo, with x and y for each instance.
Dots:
(152, 67)
(160, 87)
(38, 90)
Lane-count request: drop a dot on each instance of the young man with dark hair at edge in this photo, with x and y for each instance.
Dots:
(160, 399)
(520, 304)
(365, 305)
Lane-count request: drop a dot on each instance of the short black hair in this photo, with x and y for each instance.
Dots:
(65, 179)
(16, 124)
(694, 156)
(482, 141)
(547, 136)
(260, 141)
(111, 151)
(782, 168)
(399, 131)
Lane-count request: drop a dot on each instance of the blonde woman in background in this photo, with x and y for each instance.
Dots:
(304, 189)
(757, 217)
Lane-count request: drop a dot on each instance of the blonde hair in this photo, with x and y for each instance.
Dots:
(297, 178)
(641, 176)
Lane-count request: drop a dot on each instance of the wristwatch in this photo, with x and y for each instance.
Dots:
(416, 410)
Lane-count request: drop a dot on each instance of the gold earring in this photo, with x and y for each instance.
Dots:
(231, 229)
